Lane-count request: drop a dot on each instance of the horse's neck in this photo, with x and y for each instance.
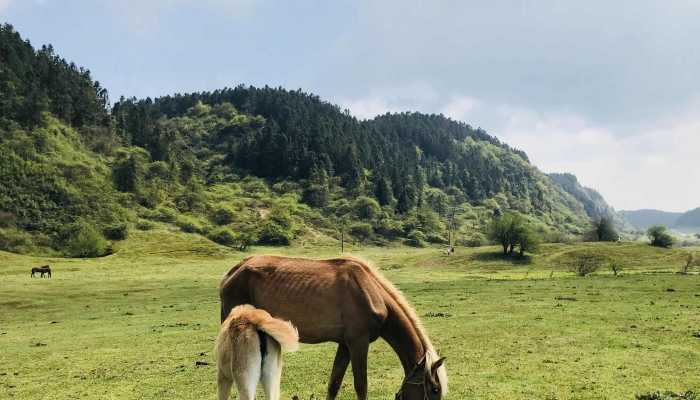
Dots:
(403, 337)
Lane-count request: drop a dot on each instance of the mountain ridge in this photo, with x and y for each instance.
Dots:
(245, 164)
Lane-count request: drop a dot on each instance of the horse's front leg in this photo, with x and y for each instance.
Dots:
(340, 365)
(358, 358)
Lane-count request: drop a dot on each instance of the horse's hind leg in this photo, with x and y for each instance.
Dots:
(340, 365)
(272, 370)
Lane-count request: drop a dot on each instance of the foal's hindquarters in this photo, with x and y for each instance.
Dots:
(249, 349)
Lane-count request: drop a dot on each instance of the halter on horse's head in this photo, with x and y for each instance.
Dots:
(422, 383)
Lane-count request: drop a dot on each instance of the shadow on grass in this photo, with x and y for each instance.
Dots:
(515, 259)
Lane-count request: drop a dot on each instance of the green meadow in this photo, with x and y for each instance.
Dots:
(135, 324)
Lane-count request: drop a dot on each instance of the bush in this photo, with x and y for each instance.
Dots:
(145, 225)
(366, 208)
(475, 240)
(616, 268)
(361, 231)
(189, 224)
(14, 239)
(586, 263)
(84, 240)
(275, 234)
(389, 228)
(223, 236)
(691, 260)
(246, 239)
(436, 238)
(415, 238)
(223, 215)
(659, 236)
(316, 195)
(165, 214)
(118, 231)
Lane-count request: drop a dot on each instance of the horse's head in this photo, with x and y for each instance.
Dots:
(422, 383)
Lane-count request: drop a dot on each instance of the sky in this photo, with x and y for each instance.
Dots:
(609, 91)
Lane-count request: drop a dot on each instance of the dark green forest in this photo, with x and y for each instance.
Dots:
(245, 165)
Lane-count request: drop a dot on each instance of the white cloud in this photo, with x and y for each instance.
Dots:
(147, 15)
(4, 4)
(459, 107)
(650, 167)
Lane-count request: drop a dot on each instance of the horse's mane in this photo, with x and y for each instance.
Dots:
(431, 356)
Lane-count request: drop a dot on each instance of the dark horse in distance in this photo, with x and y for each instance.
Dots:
(345, 301)
(41, 270)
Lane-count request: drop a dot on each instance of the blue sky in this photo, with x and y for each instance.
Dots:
(606, 90)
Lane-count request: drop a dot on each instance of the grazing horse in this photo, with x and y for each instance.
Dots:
(345, 301)
(248, 350)
(41, 270)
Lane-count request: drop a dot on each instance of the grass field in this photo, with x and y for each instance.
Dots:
(133, 325)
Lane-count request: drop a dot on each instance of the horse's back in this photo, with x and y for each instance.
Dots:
(318, 296)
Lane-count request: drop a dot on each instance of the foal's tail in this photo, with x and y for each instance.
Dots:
(245, 320)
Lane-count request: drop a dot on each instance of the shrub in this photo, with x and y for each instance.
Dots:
(475, 240)
(659, 236)
(84, 240)
(223, 215)
(223, 236)
(246, 239)
(275, 234)
(366, 208)
(415, 238)
(586, 263)
(691, 260)
(118, 231)
(616, 268)
(189, 224)
(14, 239)
(389, 228)
(145, 225)
(316, 195)
(436, 238)
(361, 231)
(165, 214)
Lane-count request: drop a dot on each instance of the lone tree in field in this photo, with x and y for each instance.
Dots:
(511, 230)
(604, 230)
(659, 236)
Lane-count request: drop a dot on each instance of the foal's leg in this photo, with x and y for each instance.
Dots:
(340, 365)
(272, 370)
(247, 372)
(224, 383)
(358, 357)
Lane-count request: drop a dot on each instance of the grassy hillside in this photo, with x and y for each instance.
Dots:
(133, 324)
(242, 166)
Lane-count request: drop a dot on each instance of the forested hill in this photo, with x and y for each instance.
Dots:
(393, 158)
(243, 165)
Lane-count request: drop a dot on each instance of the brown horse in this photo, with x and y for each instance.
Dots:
(41, 270)
(344, 301)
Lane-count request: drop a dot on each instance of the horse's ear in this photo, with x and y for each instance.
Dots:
(436, 365)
